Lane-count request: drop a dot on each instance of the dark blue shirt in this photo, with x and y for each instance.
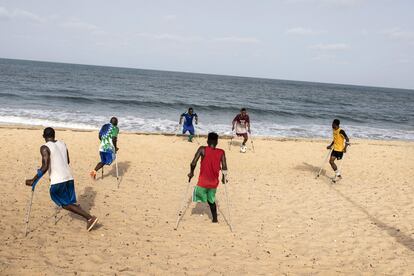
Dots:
(188, 119)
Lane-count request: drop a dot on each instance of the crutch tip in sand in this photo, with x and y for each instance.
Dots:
(225, 181)
(181, 208)
(324, 162)
(32, 182)
(251, 140)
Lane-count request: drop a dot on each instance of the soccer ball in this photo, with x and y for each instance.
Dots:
(243, 149)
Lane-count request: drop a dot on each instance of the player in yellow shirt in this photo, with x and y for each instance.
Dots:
(340, 143)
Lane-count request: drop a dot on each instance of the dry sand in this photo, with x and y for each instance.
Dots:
(285, 221)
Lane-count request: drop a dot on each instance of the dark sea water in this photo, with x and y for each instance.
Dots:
(82, 96)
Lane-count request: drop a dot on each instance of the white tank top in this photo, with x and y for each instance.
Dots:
(59, 170)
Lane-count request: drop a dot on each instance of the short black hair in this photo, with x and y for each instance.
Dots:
(212, 138)
(243, 109)
(114, 121)
(48, 133)
(190, 108)
(336, 122)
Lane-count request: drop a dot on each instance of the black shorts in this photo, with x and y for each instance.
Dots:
(337, 154)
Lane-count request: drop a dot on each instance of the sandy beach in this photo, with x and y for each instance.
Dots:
(285, 221)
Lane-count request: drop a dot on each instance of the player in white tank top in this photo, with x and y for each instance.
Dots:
(55, 159)
(59, 170)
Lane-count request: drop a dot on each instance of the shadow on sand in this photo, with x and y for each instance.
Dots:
(394, 232)
(122, 170)
(399, 236)
(201, 209)
(86, 201)
(311, 168)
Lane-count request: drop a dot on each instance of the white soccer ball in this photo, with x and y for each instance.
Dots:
(243, 149)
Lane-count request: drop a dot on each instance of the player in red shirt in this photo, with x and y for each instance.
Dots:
(212, 160)
(242, 124)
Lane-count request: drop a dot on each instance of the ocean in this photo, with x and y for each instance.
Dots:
(85, 97)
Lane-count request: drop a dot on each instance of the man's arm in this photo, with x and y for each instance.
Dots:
(234, 122)
(223, 168)
(44, 151)
(198, 154)
(67, 153)
(115, 141)
(330, 145)
(196, 119)
(248, 124)
(342, 132)
(181, 119)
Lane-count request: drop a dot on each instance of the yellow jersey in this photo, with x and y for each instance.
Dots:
(339, 140)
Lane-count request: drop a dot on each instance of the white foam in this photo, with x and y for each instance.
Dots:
(41, 122)
(82, 120)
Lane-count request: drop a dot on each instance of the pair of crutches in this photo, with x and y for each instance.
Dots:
(116, 168)
(184, 205)
(324, 162)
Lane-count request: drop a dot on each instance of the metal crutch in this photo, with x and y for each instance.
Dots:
(324, 161)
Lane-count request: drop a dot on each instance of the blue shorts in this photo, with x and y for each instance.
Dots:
(189, 129)
(63, 194)
(107, 157)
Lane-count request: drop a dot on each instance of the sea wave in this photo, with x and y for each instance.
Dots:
(159, 125)
(224, 107)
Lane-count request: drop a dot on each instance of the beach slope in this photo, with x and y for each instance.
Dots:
(284, 220)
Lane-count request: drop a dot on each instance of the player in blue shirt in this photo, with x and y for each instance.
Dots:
(188, 122)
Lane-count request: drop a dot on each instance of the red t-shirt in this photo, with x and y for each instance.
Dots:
(210, 168)
(240, 119)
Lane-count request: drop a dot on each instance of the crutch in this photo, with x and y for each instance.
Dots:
(180, 211)
(339, 169)
(197, 137)
(231, 140)
(251, 141)
(56, 214)
(29, 208)
(176, 131)
(228, 206)
(324, 161)
(116, 168)
(102, 171)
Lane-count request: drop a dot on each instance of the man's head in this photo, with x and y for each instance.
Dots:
(190, 110)
(212, 139)
(335, 124)
(243, 111)
(49, 133)
(114, 121)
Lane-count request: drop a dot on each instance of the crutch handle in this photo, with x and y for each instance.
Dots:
(39, 175)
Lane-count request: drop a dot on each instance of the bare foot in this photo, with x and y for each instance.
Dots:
(93, 175)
